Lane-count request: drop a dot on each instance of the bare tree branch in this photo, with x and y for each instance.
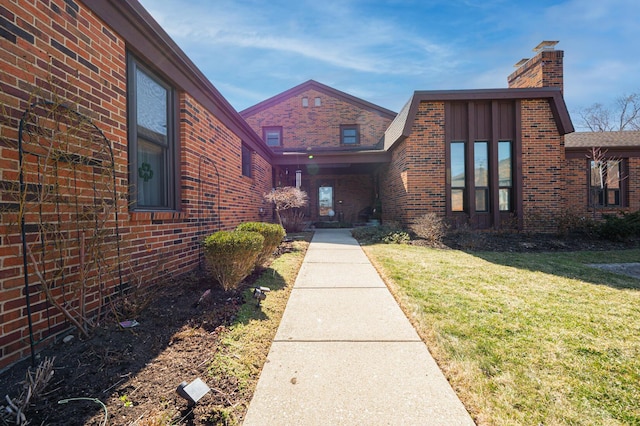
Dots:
(624, 114)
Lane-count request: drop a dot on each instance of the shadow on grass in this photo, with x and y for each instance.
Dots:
(572, 265)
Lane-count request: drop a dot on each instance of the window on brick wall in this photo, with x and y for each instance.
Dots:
(246, 161)
(458, 176)
(606, 183)
(473, 188)
(272, 136)
(349, 135)
(505, 175)
(152, 141)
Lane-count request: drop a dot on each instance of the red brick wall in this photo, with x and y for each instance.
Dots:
(543, 70)
(578, 186)
(414, 182)
(319, 126)
(61, 47)
(543, 164)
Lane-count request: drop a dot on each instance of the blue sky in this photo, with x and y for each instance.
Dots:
(382, 51)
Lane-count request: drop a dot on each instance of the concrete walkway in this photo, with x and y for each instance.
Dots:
(345, 354)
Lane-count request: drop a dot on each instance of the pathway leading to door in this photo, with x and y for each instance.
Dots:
(345, 354)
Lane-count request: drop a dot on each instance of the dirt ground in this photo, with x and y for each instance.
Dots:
(135, 371)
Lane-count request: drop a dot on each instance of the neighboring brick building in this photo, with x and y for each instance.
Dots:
(190, 167)
(607, 189)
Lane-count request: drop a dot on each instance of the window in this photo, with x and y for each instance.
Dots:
(305, 102)
(605, 183)
(481, 175)
(505, 175)
(349, 135)
(318, 102)
(481, 196)
(272, 136)
(152, 143)
(458, 176)
(325, 201)
(246, 161)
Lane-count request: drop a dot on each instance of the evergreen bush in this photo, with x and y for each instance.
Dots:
(272, 233)
(231, 255)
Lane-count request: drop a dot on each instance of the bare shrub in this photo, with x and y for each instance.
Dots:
(288, 202)
(429, 227)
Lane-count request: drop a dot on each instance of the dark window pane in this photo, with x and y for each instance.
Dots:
(273, 138)
(246, 161)
(349, 136)
(482, 201)
(151, 177)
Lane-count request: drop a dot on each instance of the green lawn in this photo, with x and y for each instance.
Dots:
(526, 339)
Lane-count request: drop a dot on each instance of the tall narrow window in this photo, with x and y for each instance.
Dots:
(458, 176)
(481, 175)
(151, 140)
(349, 135)
(505, 175)
(246, 161)
(605, 183)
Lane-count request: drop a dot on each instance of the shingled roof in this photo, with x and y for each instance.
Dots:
(602, 139)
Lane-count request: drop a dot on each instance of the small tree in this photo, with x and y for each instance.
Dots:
(288, 199)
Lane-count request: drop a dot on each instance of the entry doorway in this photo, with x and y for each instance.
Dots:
(325, 202)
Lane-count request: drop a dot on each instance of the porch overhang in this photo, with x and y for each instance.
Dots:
(342, 161)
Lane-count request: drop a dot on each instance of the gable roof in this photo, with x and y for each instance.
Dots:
(314, 85)
(400, 128)
(603, 139)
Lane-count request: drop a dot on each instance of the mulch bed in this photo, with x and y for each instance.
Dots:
(135, 371)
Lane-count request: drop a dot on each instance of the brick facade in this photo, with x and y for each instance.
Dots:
(546, 69)
(543, 164)
(64, 52)
(413, 184)
(311, 116)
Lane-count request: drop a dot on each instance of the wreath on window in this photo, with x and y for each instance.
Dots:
(145, 172)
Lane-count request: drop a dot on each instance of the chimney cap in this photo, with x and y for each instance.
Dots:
(521, 62)
(546, 45)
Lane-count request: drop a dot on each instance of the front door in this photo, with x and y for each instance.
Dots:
(325, 202)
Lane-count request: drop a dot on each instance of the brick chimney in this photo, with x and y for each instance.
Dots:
(545, 69)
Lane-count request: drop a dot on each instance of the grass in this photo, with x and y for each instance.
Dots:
(526, 339)
(244, 346)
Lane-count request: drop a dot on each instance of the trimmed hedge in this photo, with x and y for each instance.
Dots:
(231, 255)
(272, 233)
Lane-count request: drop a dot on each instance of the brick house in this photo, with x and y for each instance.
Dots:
(488, 158)
(184, 163)
(187, 160)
